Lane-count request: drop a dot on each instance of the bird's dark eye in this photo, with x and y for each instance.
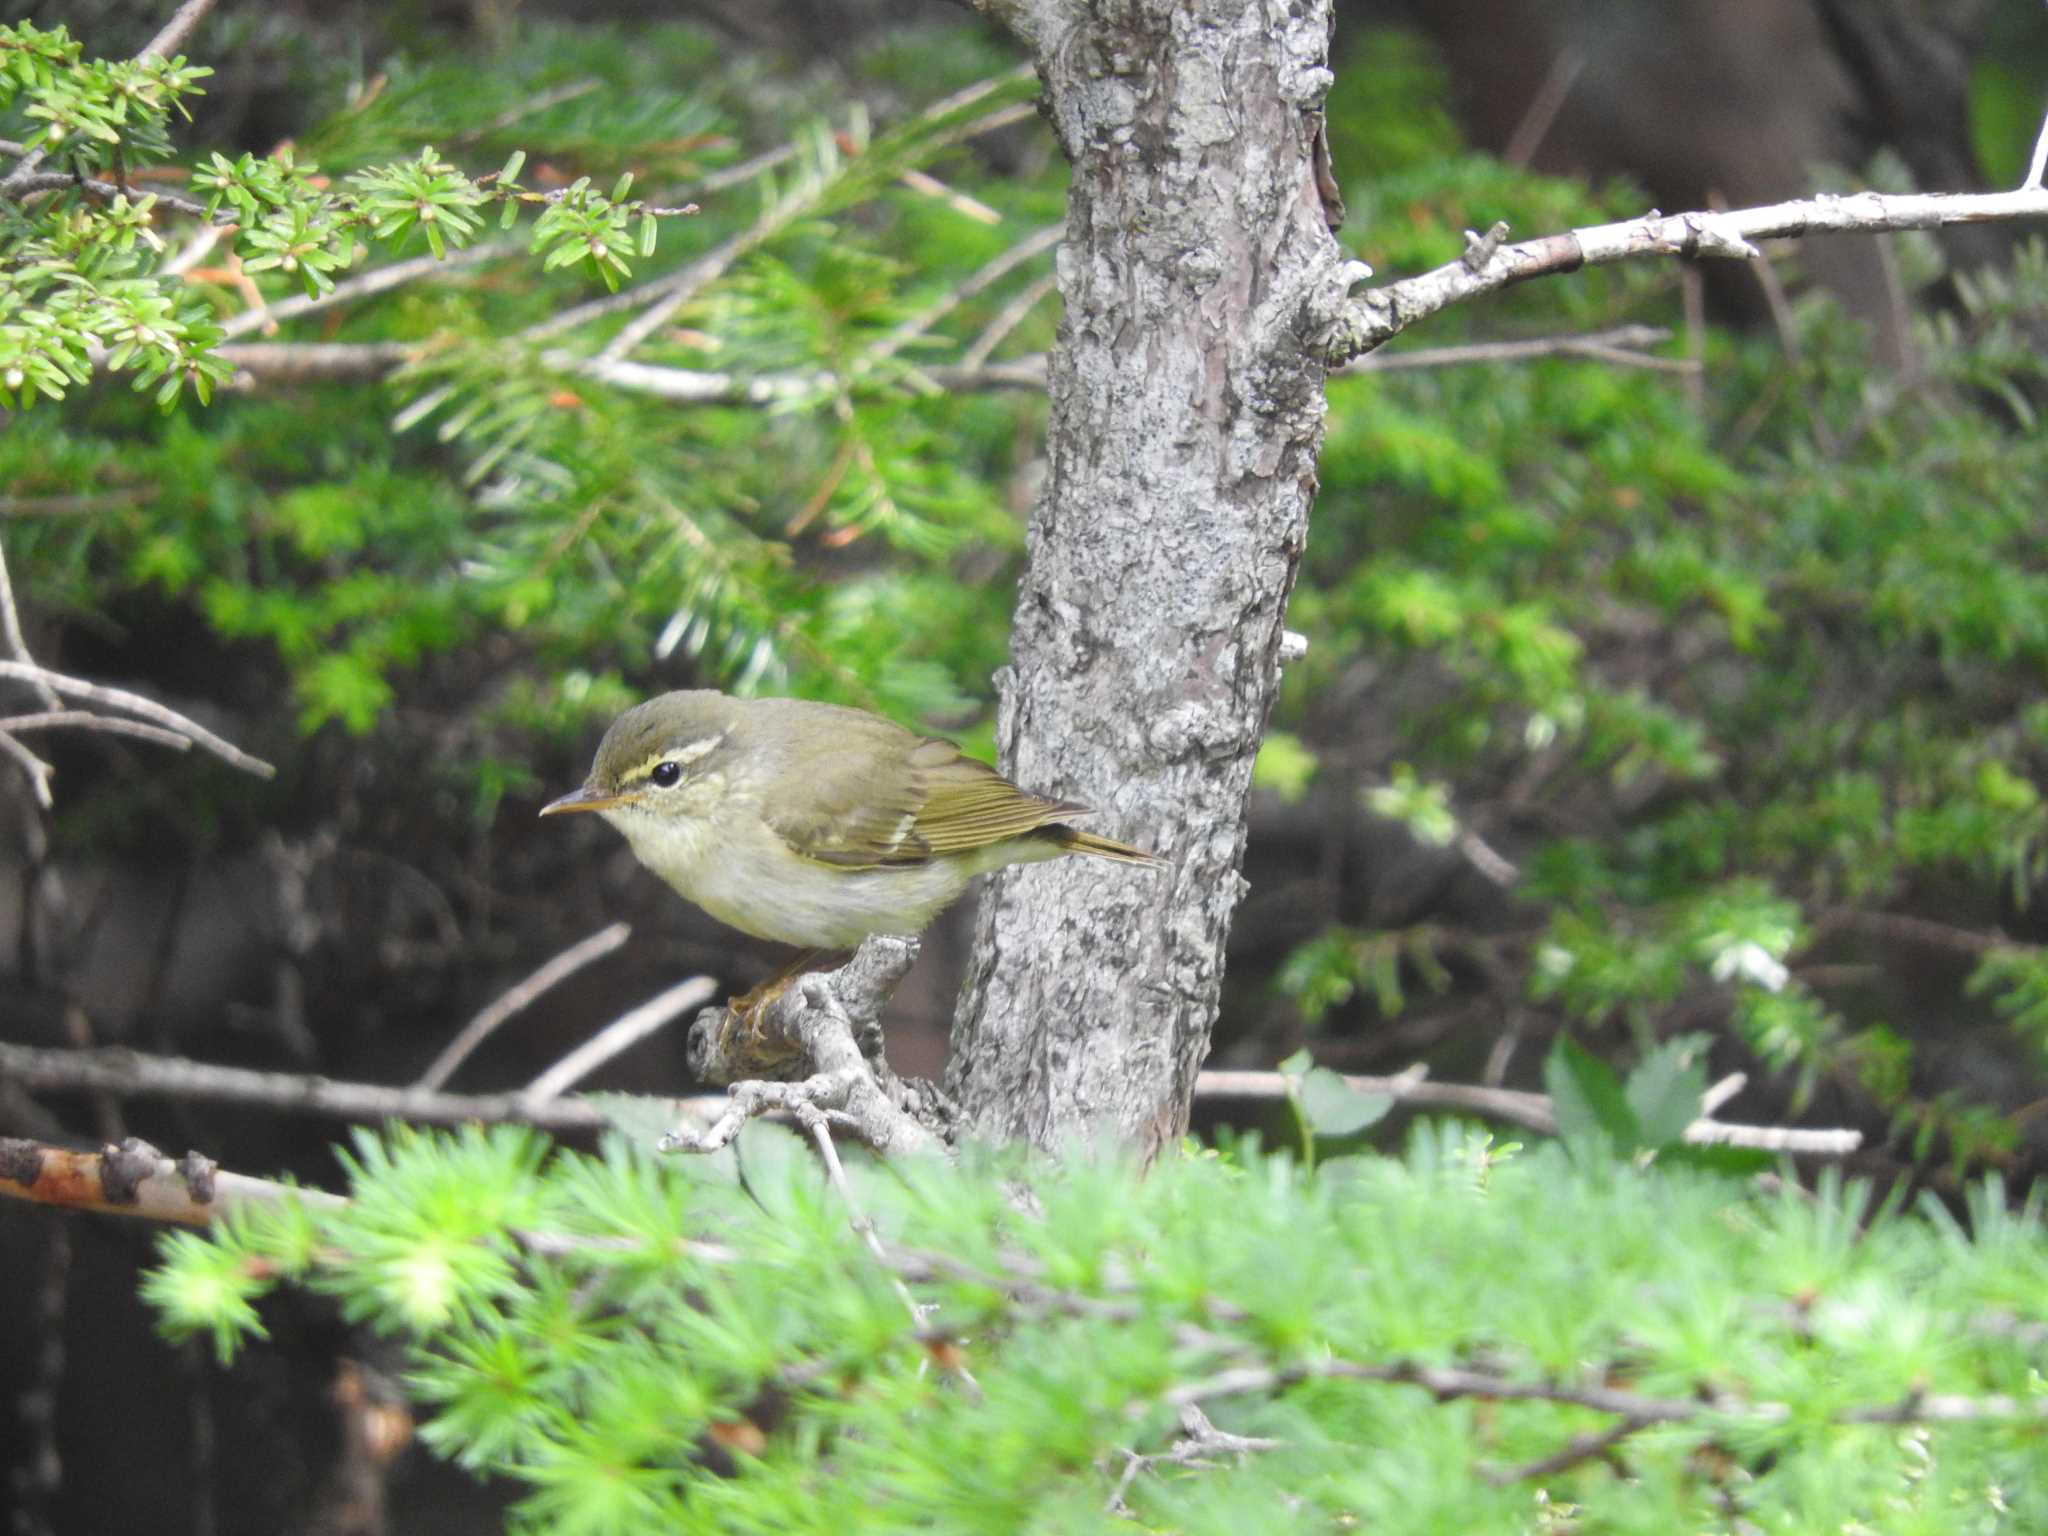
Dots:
(666, 775)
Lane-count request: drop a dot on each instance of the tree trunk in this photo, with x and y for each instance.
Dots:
(1198, 273)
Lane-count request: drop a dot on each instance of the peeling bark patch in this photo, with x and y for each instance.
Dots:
(21, 1162)
(123, 1168)
(198, 1172)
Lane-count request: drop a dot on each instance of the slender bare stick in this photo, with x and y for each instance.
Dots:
(619, 1035)
(376, 280)
(813, 1120)
(293, 360)
(10, 624)
(511, 1001)
(134, 1179)
(136, 704)
(677, 291)
(1376, 314)
(137, 1075)
(2038, 166)
(107, 191)
(38, 771)
(113, 725)
(974, 374)
(993, 272)
(1007, 319)
(176, 30)
(1615, 346)
(1543, 107)
(1532, 1110)
(1723, 1091)
(528, 108)
(1581, 1448)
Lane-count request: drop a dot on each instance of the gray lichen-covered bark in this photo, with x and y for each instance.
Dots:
(1198, 274)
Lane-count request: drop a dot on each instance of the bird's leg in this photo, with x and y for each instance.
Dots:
(748, 1007)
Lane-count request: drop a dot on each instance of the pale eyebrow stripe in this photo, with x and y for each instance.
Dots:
(682, 757)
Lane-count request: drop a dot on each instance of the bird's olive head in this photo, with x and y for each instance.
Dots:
(653, 750)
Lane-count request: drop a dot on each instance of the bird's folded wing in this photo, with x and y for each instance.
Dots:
(942, 803)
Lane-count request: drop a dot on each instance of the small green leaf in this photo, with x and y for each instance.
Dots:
(1333, 1107)
(1591, 1108)
(1664, 1091)
(512, 167)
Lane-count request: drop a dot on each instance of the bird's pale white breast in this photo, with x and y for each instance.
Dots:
(738, 870)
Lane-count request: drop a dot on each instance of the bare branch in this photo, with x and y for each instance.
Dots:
(1531, 1110)
(813, 1120)
(1448, 1382)
(1377, 314)
(167, 42)
(694, 387)
(508, 1003)
(376, 280)
(1721, 1092)
(817, 1046)
(1618, 346)
(107, 191)
(38, 771)
(671, 294)
(112, 725)
(290, 361)
(1200, 1442)
(621, 1034)
(10, 627)
(1024, 250)
(134, 1179)
(540, 102)
(1903, 928)
(2038, 165)
(1581, 1448)
(1006, 320)
(136, 704)
(1543, 107)
(974, 374)
(1491, 864)
(137, 1075)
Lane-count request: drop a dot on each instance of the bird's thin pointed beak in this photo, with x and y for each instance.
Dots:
(585, 799)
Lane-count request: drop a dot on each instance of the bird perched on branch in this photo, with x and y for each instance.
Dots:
(812, 824)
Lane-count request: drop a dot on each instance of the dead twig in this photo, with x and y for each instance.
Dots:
(508, 1003)
(817, 1047)
(621, 1034)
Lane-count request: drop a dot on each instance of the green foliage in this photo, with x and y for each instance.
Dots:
(818, 546)
(1424, 809)
(643, 1347)
(1327, 972)
(1600, 1117)
(1727, 674)
(80, 278)
(1284, 765)
(1326, 1107)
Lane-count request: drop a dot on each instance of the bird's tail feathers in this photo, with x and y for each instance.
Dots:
(1074, 840)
